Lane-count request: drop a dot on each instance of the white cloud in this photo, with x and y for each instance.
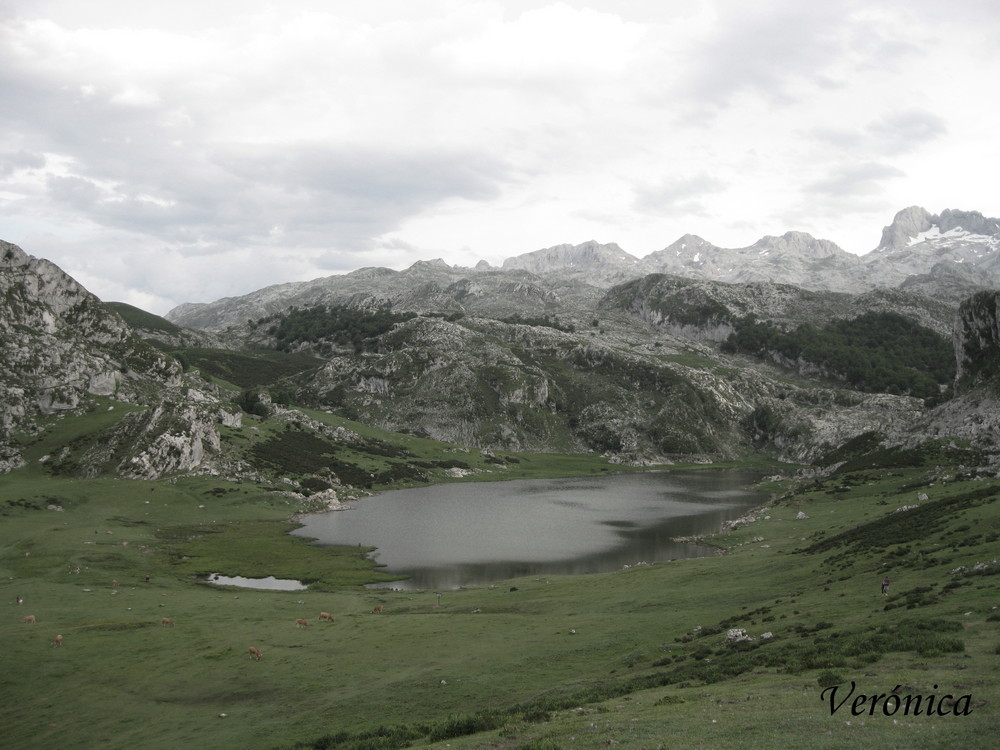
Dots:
(149, 145)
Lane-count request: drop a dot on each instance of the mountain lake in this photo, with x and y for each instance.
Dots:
(476, 533)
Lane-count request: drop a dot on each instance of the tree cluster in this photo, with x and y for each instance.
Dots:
(879, 352)
(344, 326)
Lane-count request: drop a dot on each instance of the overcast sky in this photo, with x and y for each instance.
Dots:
(169, 152)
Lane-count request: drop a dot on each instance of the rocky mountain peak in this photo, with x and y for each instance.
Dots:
(948, 257)
(802, 244)
(436, 263)
(920, 247)
(905, 227)
(593, 262)
(972, 222)
(590, 254)
(914, 225)
(687, 244)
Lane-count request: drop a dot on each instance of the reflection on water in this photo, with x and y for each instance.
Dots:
(455, 535)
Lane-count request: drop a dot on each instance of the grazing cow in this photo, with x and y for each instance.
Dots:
(167, 621)
(20, 599)
(302, 623)
(28, 619)
(325, 616)
(378, 609)
(255, 653)
(57, 641)
(114, 583)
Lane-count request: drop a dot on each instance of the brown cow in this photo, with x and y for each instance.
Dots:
(378, 609)
(302, 623)
(325, 616)
(114, 583)
(167, 621)
(57, 641)
(30, 619)
(255, 653)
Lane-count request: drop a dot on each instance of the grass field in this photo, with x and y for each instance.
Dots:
(637, 658)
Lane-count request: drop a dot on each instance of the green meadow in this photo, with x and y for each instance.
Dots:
(638, 658)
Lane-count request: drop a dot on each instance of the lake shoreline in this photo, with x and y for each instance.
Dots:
(546, 526)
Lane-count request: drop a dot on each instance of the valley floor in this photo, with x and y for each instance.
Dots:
(648, 657)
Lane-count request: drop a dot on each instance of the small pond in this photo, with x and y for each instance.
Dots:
(475, 533)
(270, 583)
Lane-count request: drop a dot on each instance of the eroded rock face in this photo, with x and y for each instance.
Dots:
(977, 340)
(168, 439)
(905, 227)
(60, 345)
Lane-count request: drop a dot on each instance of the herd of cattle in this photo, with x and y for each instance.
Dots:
(255, 653)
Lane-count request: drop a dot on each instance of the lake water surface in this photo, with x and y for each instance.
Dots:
(462, 534)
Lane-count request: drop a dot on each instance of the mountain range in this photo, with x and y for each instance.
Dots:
(790, 347)
(946, 256)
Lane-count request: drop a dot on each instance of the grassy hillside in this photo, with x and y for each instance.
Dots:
(637, 657)
(138, 318)
(246, 369)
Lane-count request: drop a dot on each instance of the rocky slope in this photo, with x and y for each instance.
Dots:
(706, 310)
(61, 348)
(973, 415)
(426, 286)
(638, 395)
(60, 345)
(977, 341)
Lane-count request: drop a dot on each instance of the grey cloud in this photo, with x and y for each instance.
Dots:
(766, 48)
(854, 180)
(295, 196)
(355, 194)
(11, 162)
(894, 134)
(363, 173)
(677, 196)
(905, 131)
(73, 191)
(960, 12)
(315, 195)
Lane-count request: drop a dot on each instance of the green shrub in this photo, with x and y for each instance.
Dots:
(828, 678)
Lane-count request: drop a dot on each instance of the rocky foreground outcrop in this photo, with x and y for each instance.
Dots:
(171, 438)
(59, 346)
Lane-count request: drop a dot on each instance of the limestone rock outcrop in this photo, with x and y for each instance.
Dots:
(977, 341)
(59, 345)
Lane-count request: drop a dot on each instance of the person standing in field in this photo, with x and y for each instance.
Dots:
(885, 586)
